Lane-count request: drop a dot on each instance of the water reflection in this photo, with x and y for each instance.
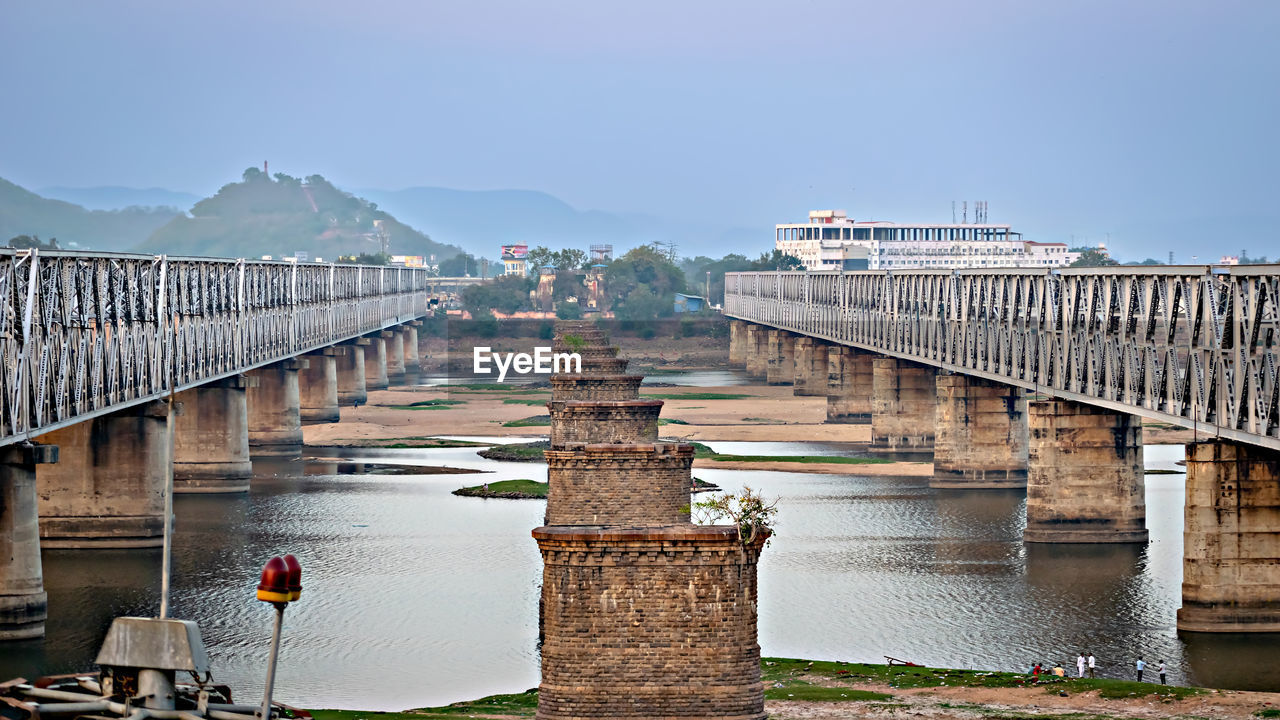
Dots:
(415, 596)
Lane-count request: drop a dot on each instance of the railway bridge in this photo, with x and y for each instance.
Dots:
(119, 370)
(1041, 379)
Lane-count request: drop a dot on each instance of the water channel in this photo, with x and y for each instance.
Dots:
(415, 597)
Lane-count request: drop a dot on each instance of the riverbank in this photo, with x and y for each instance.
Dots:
(819, 690)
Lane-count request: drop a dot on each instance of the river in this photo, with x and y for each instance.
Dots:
(415, 597)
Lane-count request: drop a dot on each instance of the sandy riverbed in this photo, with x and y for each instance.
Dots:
(973, 703)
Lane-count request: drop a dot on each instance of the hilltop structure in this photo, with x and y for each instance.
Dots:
(644, 614)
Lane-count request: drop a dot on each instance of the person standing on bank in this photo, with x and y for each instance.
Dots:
(1141, 666)
(1080, 666)
(1091, 664)
(1162, 682)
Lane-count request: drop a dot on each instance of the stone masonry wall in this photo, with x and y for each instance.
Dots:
(619, 485)
(604, 421)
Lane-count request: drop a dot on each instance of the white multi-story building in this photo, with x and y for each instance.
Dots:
(832, 241)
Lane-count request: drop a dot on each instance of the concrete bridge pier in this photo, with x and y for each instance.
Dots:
(351, 372)
(23, 602)
(1231, 539)
(211, 438)
(318, 386)
(903, 395)
(412, 360)
(275, 419)
(107, 488)
(375, 361)
(811, 367)
(980, 434)
(1084, 475)
(737, 342)
(757, 351)
(848, 385)
(395, 356)
(780, 353)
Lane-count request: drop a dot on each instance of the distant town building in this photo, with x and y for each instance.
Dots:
(830, 240)
(514, 260)
(1229, 260)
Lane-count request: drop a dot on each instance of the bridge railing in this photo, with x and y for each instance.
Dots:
(82, 334)
(1194, 346)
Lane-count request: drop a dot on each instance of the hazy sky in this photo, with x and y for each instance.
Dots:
(1084, 118)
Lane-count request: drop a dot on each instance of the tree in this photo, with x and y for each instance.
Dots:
(643, 283)
(777, 260)
(251, 174)
(460, 265)
(1093, 257)
(538, 258)
(506, 294)
(24, 242)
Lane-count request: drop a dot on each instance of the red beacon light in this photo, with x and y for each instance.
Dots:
(274, 586)
(295, 576)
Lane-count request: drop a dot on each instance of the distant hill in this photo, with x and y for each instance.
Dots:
(279, 216)
(115, 197)
(482, 220)
(23, 212)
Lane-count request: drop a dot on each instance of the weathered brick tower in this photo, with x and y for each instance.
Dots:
(645, 615)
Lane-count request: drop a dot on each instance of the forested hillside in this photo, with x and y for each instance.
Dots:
(280, 215)
(23, 212)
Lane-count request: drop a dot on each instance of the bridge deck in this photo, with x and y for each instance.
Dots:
(1194, 346)
(85, 334)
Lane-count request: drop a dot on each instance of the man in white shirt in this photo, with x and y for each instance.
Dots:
(1141, 666)
(1091, 664)
(1080, 665)
(1162, 682)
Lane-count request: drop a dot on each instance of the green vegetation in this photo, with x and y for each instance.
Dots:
(671, 421)
(1165, 472)
(506, 489)
(817, 692)
(517, 452)
(405, 443)
(531, 421)
(525, 401)
(788, 670)
(280, 215)
(836, 459)
(23, 213)
(696, 396)
(823, 681)
(1268, 713)
(430, 405)
(517, 704)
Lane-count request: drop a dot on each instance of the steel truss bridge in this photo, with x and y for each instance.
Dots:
(86, 334)
(1194, 346)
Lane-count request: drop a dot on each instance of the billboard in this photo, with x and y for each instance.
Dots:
(408, 260)
(514, 252)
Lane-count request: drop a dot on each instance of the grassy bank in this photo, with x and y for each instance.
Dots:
(400, 443)
(836, 682)
(506, 489)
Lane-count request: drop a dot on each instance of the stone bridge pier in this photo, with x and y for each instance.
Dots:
(412, 360)
(275, 413)
(737, 342)
(1085, 479)
(757, 351)
(107, 488)
(903, 399)
(780, 351)
(375, 361)
(23, 603)
(1231, 539)
(980, 434)
(351, 372)
(849, 380)
(811, 367)
(395, 355)
(211, 438)
(318, 386)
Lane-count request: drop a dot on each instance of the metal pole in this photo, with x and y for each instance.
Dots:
(166, 555)
(271, 660)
